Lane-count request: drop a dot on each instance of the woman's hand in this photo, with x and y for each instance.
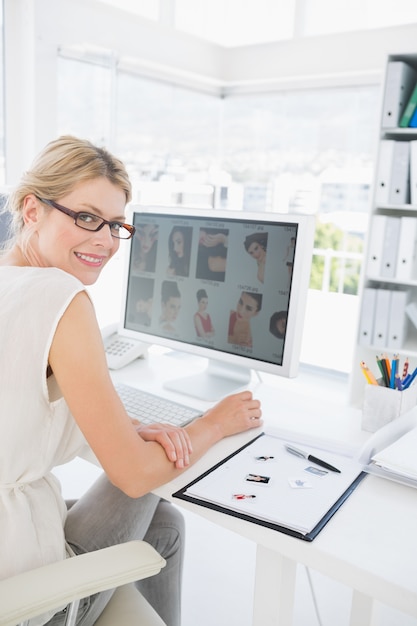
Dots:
(236, 413)
(175, 441)
(209, 241)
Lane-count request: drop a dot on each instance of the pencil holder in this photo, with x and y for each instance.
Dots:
(381, 405)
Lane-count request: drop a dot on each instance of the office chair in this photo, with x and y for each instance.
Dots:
(56, 585)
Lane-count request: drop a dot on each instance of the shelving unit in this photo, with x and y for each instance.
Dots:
(368, 345)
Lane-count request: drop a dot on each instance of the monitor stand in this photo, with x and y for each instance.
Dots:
(214, 383)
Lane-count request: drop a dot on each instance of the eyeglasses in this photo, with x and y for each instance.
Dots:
(91, 222)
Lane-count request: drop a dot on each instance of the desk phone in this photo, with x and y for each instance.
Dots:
(120, 351)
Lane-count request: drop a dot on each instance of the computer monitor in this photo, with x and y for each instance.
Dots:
(229, 286)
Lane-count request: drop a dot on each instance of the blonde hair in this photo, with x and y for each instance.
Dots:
(59, 167)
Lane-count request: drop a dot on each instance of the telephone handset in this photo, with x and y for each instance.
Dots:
(120, 351)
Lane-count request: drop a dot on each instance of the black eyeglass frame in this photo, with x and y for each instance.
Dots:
(75, 215)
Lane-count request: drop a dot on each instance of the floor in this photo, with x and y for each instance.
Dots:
(219, 567)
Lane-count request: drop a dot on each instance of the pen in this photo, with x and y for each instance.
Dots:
(310, 457)
(405, 368)
(383, 367)
(409, 379)
(398, 383)
(368, 374)
(388, 367)
(405, 381)
(394, 369)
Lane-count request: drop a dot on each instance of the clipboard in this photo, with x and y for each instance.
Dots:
(228, 488)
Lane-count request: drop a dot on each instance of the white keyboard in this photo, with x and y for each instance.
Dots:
(149, 408)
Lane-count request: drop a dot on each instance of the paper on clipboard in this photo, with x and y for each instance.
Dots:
(263, 483)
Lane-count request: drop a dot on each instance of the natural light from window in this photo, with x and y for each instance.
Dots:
(309, 152)
(247, 22)
(148, 9)
(333, 16)
(236, 22)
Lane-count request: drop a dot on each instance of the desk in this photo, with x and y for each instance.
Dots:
(369, 545)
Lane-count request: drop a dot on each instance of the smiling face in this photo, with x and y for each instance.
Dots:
(58, 242)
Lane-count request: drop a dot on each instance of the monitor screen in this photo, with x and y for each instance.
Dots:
(229, 286)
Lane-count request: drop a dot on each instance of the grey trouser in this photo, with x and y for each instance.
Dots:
(105, 516)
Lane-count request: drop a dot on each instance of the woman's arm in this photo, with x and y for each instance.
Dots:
(136, 466)
(216, 263)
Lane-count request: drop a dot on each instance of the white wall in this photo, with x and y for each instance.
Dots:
(343, 58)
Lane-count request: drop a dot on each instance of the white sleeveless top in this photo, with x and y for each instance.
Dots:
(37, 431)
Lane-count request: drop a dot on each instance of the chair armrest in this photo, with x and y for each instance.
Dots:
(55, 585)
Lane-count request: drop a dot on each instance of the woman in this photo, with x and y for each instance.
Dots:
(278, 324)
(179, 249)
(202, 320)
(248, 306)
(57, 397)
(256, 245)
(141, 303)
(170, 305)
(145, 246)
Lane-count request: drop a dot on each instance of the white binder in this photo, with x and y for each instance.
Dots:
(366, 320)
(382, 311)
(407, 245)
(399, 83)
(397, 320)
(390, 247)
(413, 172)
(399, 188)
(411, 312)
(383, 172)
(375, 245)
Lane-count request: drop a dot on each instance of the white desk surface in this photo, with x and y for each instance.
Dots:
(371, 542)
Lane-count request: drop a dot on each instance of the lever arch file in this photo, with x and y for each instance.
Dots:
(407, 247)
(399, 189)
(383, 173)
(390, 247)
(376, 245)
(399, 83)
(366, 321)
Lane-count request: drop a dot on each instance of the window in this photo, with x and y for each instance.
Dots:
(307, 150)
(311, 151)
(236, 22)
(84, 97)
(145, 8)
(247, 22)
(169, 138)
(328, 16)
